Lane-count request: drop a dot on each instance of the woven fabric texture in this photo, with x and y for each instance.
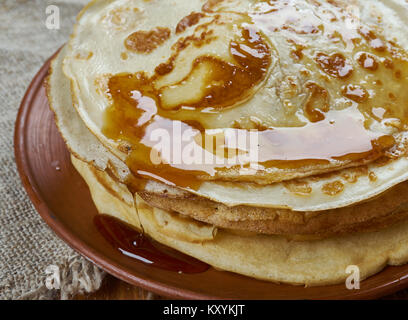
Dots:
(27, 246)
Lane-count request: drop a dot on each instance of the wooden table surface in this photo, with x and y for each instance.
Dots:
(115, 289)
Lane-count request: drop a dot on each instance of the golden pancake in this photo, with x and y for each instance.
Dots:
(375, 214)
(321, 92)
(271, 258)
(339, 189)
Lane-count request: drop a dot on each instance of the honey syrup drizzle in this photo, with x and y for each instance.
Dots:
(369, 70)
(138, 108)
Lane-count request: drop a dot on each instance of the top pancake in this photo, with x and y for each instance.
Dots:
(322, 93)
(340, 189)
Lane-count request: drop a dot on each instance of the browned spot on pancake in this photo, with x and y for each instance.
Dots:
(334, 65)
(188, 21)
(297, 54)
(298, 187)
(388, 63)
(355, 92)
(352, 175)
(367, 61)
(84, 55)
(210, 5)
(122, 18)
(165, 67)
(333, 188)
(147, 41)
(317, 103)
(204, 38)
(372, 176)
(124, 55)
(297, 51)
(373, 40)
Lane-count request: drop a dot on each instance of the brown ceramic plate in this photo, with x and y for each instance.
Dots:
(62, 199)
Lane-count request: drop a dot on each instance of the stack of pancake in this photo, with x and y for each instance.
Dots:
(266, 138)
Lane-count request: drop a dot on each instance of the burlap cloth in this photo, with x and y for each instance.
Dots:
(27, 245)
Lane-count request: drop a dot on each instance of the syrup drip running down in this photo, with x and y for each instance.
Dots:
(135, 245)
